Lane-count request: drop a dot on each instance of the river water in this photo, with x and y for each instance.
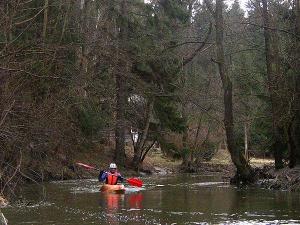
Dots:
(176, 199)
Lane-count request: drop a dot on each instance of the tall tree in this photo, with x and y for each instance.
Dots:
(273, 74)
(294, 128)
(123, 69)
(244, 171)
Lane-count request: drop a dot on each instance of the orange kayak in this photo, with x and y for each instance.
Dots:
(118, 188)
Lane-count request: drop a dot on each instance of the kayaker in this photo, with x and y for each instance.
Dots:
(112, 176)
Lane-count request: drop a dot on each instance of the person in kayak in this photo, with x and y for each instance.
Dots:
(112, 176)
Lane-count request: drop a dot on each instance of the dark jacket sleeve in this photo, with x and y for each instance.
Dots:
(102, 176)
(120, 178)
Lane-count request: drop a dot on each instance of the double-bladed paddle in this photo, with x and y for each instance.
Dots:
(132, 181)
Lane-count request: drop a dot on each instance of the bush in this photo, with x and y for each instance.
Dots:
(206, 151)
(90, 120)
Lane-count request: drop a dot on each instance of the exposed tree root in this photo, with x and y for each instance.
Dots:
(284, 179)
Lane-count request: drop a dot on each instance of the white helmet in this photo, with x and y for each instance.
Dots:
(112, 166)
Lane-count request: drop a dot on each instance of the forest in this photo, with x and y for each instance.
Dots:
(190, 76)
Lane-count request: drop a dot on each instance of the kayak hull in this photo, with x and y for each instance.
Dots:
(117, 189)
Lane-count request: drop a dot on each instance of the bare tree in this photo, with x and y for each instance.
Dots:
(244, 171)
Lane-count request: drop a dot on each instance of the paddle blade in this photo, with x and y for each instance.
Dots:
(135, 182)
(85, 166)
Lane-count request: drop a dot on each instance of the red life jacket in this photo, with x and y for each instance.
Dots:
(112, 179)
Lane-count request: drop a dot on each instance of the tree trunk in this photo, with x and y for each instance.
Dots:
(120, 119)
(187, 155)
(66, 18)
(297, 13)
(295, 127)
(292, 147)
(272, 63)
(137, 157)
(121, 74)
(244, 171)
(45, 22)
(187, 151)
(294, 136)
(145, 152)
(246, 140)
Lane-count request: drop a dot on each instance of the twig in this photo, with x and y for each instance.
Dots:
(6, 113)
(14, 173)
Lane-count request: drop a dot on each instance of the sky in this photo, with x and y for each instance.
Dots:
(229, 2)
(243, 3)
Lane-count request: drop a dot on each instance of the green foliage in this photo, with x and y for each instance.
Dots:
(168, 115)
(175, 10)
(90, 119)
(156, 68)
(170, 149)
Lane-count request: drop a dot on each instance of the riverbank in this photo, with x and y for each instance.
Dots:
(156, 163)
(287, 179)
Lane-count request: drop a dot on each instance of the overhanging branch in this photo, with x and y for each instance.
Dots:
(187, 60)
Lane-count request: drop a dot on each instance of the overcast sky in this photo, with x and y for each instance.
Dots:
(242, 3)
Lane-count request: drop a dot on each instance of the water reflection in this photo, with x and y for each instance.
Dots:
(135, 200)
(112, 204)
(113, 201)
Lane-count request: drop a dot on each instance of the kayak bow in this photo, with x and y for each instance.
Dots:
(117, 189)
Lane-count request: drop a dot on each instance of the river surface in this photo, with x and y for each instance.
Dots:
(175, 199)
